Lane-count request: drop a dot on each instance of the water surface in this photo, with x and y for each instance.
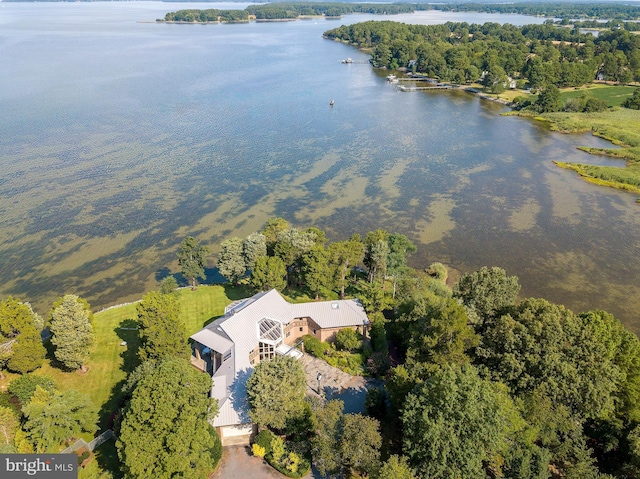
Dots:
(121, 137)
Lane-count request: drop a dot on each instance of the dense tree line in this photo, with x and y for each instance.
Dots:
(619, 11)
(536, 55)
(488, 386)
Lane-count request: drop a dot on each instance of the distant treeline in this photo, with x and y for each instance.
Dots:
(538, 55)
(278, 11)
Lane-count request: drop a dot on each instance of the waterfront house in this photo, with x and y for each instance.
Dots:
(256, 329)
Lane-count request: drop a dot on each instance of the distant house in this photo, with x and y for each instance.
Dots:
(257, 329)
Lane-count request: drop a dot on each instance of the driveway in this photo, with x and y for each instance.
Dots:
(238, 463)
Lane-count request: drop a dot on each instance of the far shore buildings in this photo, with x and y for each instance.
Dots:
(256, 329)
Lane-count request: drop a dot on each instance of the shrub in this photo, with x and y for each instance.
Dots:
(376, 403)
(314, 347)
(263, 439)
(378, 364)
(24, 386)
(258, 450)
(347, 340)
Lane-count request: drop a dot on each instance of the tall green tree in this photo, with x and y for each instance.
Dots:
(456, 424)
(169, 285)
(343, 256)
(541, 344)
(53, 417)
(21, 348)
(231, 261)
(271, 230)
(9, 424)
(360, 444)
(325, 443)
(253, 247)
(275, 391)
(191, 258)
(400, 247)
(396, 467)
(439, 331)
(316, 271)
(269, 272)
(162, 332)
(487, 290)
(549, 100)
(165, 431)
(72, 331)
(376, 251)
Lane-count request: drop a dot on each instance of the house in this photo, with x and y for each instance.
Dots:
(257, 329)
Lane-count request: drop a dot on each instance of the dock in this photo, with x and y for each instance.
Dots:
(420, 88)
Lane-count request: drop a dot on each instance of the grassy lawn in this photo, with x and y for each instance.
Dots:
(110, 361)
(612, 95)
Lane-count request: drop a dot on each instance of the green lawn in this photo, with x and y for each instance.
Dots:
(612, 95)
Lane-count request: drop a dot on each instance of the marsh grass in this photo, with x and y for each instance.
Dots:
(621, 126)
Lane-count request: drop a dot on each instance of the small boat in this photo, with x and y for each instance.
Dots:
(331, 103)
(391, 77)
(348, 60)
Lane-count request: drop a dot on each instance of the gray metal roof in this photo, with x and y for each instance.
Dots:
(238, 331)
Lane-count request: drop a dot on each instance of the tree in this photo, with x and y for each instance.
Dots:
(271, 230)
(191, 258)
(24, 386)
(165, 431)
(53, 417)
(72, 331)
(325, 444)
(169, 285)
(455, 423)
(549, 100)
(275, 391)
(360, 443)
(231, 261)
(344, 255)
(544, 345)
(253, 247)
(8, 426)
(162, 333)
(316, 271)
(21, 348)
(269, 273)
(399, 248)
(487, 290)
(397, 468)
(633, 102)
(439, 331)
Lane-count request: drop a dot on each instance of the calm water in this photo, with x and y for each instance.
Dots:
(119, 137)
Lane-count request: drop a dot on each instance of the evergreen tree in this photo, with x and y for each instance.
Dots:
(165, 431)
(72, 331)
(162, 333)
(231, 261)
(8, 426)
(21, 348)
(53, 417)
(268, 273)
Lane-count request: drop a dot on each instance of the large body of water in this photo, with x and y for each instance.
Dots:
(119, 137)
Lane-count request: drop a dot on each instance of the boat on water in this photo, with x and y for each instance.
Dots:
(391, 77)
(347, 60)
(331, 103)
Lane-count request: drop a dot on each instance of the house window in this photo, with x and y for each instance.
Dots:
(288, 334)
(300, 328)
(315, 331)
(267, 351)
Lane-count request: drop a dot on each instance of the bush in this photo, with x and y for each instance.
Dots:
(347, 340)
(24, 386)
(376, 403)
(263, 439)
(315, 347)
(257, 450)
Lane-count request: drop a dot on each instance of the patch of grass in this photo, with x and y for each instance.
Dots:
(612, 95)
